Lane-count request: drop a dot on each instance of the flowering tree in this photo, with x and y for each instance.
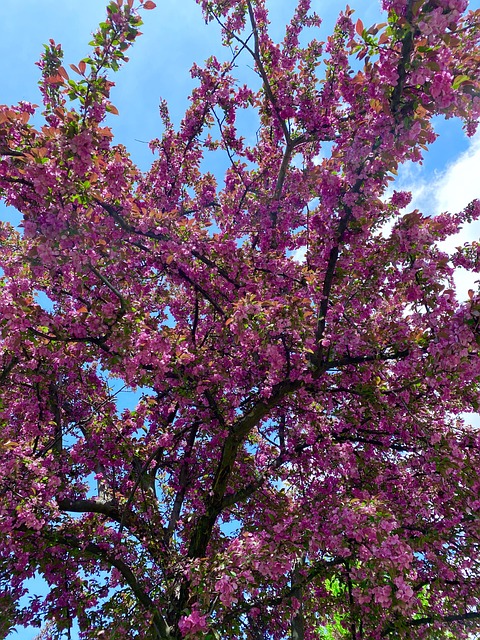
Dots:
(298, 465)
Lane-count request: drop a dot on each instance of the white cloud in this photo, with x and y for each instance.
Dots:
(460, 184)
(300, 254)
(451, 190)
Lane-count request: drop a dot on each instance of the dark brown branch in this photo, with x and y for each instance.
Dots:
(7, 369)
(99, 342)
(113, 289)
(54, 403)
(464, 617)
(290, 144)
(375, 443)
(5, 151)
(418, 622)
(317, 569)
(183, 479)
(12, 180)
(298, 620)
(333, 259)
(195, 320)
(123, 517)
(240, 430)
(115, 213)
(214, 407)
(245, 492)
(108, 509)
(266, 84)
(330, 273)
(348, 360)
(163, 631)
(202, 291)
(138, 482)
(405, 55)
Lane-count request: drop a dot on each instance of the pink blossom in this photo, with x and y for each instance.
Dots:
(192, 624)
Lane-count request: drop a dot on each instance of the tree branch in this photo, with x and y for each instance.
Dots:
(240, 430)
(348, 360)
(418, 622)
(183, 481)
(163, 631)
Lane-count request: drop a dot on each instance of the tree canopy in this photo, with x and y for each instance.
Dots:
(300, 463)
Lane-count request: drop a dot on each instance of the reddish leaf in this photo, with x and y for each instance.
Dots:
(54, 79)
(420, 111)
(376, 105)
(149, 5)
(106, 132)
(62, 72)
(359, 28)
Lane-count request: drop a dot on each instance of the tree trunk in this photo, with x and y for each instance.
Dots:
(298, 621)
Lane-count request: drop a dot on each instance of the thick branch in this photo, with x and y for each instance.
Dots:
(162, 629)
(418, 622)
(348, 360)
(183, 482)
(124, 517)
(240, 430)
(332, 265)
(7, 369)
(245, 492)
(407, 49)
(333, 259)
(91, 506)
(298, 621)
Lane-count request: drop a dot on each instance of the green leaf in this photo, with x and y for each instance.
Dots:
(458, 80)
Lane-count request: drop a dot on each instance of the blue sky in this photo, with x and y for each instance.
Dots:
(174, 37)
